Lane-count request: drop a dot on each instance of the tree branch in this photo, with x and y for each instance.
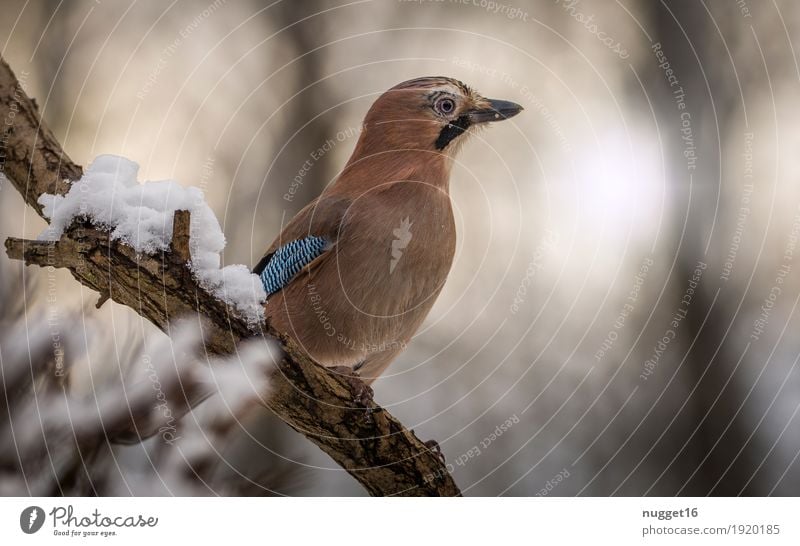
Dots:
(334, 411)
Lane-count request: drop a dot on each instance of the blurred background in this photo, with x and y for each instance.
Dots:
(621, 315)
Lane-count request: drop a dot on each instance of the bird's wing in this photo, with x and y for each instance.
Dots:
(307, 238)
(288, 260)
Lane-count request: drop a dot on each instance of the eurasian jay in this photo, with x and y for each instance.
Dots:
(353, 275)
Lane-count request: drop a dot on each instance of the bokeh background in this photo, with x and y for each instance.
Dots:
(654, 172)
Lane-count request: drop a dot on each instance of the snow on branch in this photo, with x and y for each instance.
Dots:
(110, 197)
(134, 243)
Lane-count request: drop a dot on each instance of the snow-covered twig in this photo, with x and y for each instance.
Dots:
(60, 442)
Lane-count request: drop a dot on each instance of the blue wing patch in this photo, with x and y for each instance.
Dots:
(288, 260)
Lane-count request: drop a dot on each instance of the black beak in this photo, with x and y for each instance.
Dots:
(497, 110)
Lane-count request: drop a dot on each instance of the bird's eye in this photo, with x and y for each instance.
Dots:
(445, 106)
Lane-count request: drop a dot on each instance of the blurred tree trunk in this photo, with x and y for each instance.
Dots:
(695, 52)
(304, 131)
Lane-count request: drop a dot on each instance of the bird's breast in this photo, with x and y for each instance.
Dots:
(364, 301)
(395, 250)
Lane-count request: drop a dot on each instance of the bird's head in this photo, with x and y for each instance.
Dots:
(431, 114)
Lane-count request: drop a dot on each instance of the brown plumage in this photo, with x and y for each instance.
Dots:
(389, 226)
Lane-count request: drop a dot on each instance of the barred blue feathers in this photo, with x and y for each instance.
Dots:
(288, 260)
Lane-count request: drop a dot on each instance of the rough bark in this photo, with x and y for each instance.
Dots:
(335, 411)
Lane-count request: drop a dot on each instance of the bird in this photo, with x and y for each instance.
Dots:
(351, 277)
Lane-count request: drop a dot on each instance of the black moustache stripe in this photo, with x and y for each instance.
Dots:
(451, 131)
